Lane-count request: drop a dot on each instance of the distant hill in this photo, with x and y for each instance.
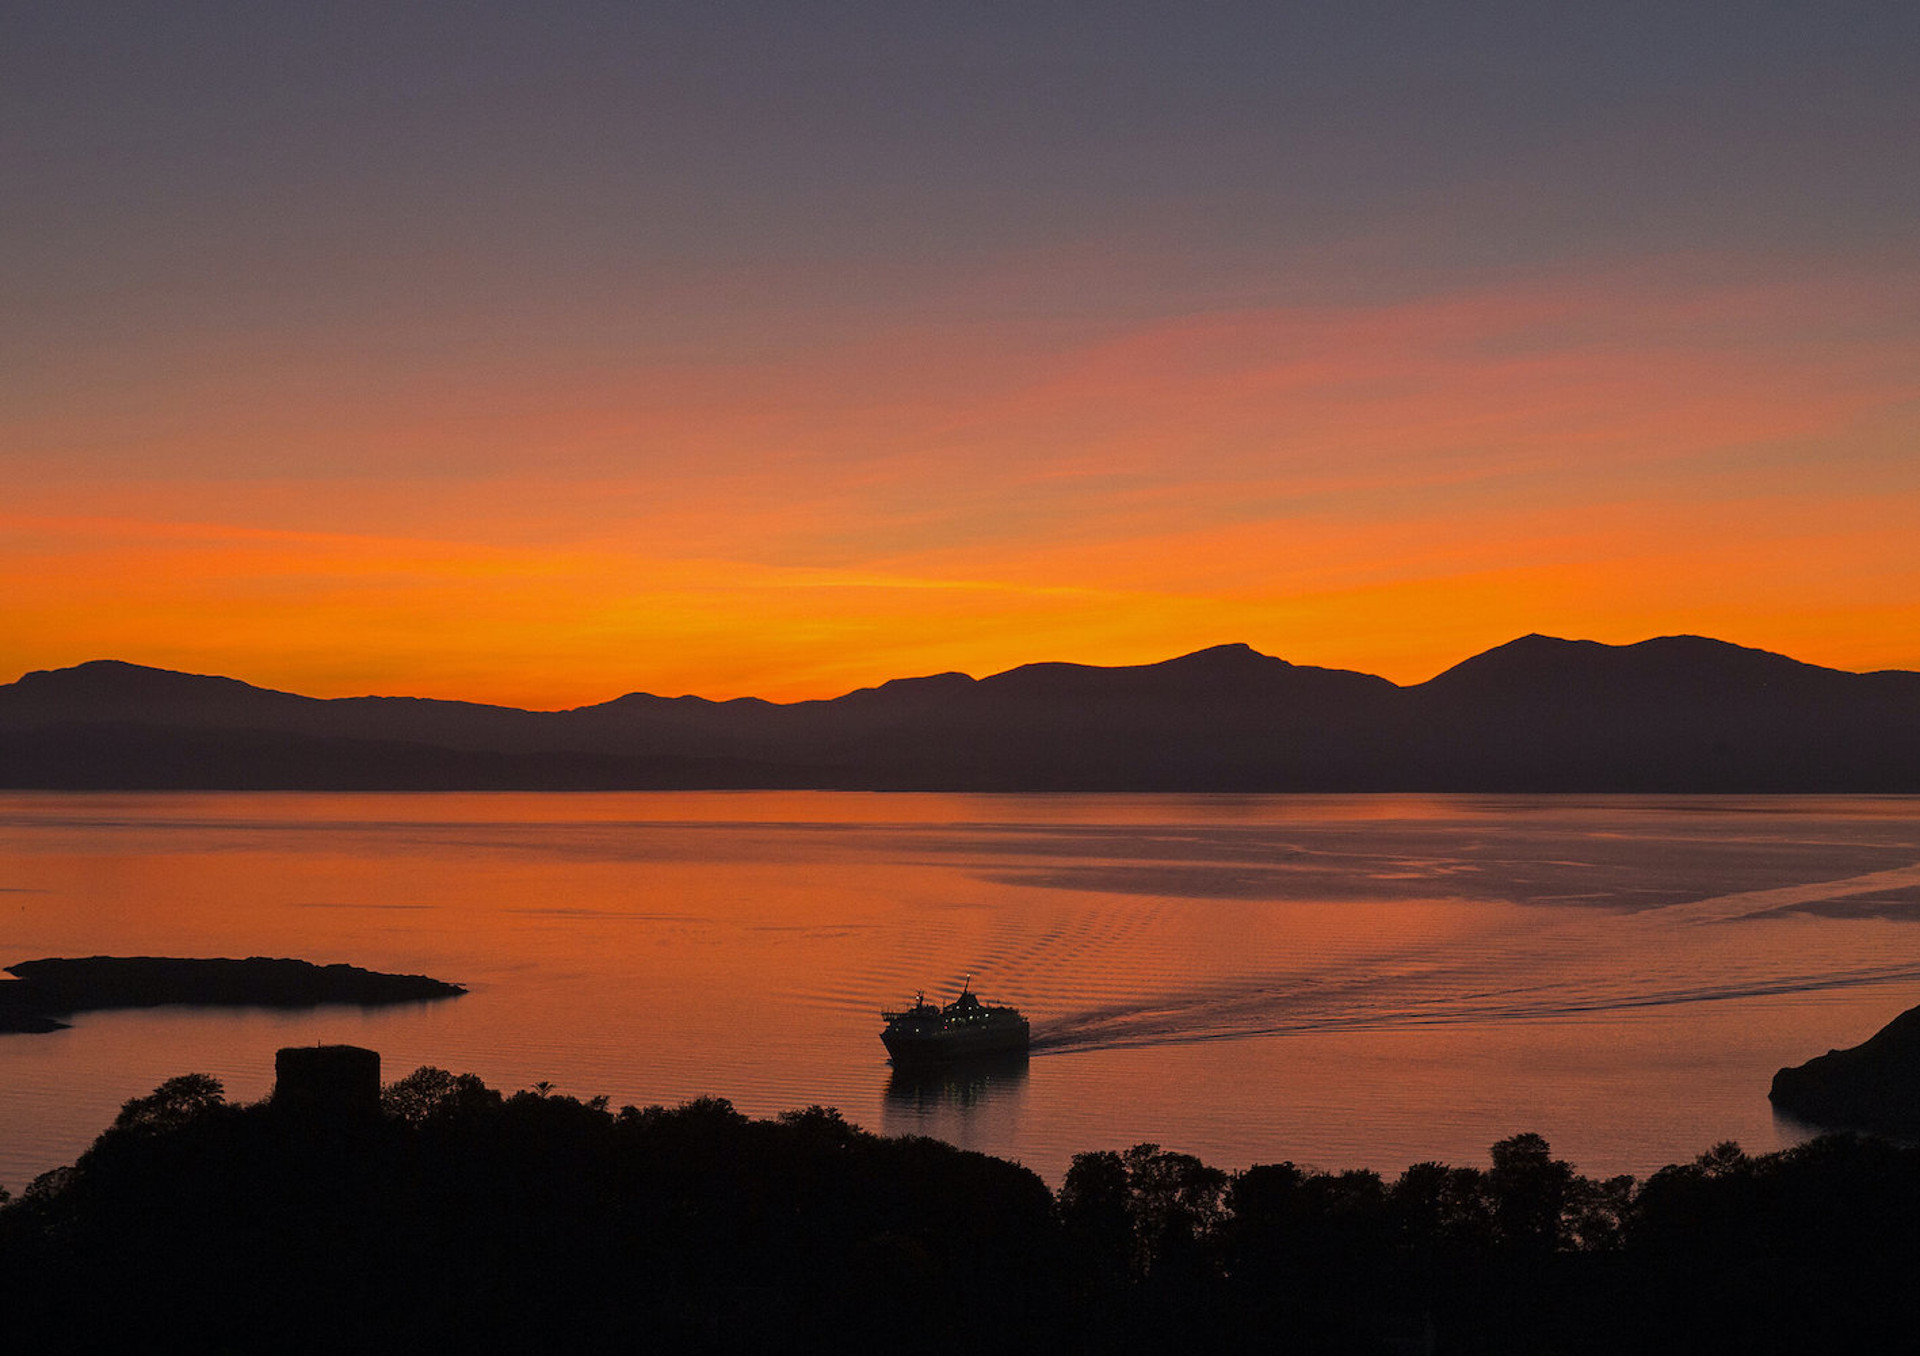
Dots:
(1680, 713)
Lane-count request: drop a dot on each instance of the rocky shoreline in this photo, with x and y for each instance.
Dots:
(1873, 1086)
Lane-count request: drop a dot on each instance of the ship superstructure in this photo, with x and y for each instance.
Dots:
(929, 1034)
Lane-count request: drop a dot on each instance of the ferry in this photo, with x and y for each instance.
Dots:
(964, 1029)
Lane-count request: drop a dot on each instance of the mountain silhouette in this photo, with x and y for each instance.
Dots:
(1678, 713)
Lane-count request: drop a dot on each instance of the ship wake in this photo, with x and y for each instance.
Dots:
(1285, 1007)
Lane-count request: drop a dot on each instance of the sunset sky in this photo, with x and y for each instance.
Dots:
(542, 353)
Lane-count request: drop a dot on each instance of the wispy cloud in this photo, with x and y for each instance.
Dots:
(1385, 484)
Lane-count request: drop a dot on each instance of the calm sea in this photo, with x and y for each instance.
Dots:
(1339, 981)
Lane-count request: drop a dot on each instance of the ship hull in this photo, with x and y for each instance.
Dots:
(945, 1046)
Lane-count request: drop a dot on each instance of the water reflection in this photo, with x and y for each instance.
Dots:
(964, 1085)
(1361, 981)
(973, 1103)
(1794, 1132)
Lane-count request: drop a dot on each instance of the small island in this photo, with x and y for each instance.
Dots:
(44, 991)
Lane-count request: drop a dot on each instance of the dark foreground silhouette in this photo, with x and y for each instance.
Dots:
(43, 991)
(439, 1215)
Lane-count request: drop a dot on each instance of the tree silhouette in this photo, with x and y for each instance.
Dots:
(1094, 1208)
(462, 1219)
(429, 1093)
(172, 1105)
(1531, 1190)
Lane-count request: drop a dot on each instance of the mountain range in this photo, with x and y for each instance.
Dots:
(1674, 714)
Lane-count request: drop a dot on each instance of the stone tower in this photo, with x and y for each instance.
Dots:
(327, 1080)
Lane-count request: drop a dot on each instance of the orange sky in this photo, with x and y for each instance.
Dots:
(542, 364)
(1389, 487)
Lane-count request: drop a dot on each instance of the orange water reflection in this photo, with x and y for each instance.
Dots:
(1336, 980)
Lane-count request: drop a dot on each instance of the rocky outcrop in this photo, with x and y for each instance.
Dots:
(1873, 1086)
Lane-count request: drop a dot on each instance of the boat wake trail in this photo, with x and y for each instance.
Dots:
(1755, 903)
(1285, 1007)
